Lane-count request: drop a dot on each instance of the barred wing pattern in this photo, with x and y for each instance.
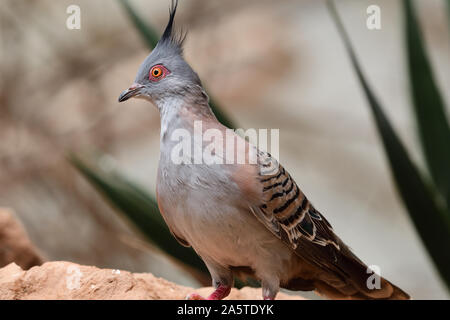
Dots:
(285, 209)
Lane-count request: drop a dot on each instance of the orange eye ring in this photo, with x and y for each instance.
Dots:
(158, 72)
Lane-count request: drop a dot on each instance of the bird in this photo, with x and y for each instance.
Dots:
(243, 219)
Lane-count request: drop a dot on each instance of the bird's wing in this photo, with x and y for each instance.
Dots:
(180, 240)
(285, 210)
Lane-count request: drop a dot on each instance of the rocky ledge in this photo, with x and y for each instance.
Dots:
(66, 280)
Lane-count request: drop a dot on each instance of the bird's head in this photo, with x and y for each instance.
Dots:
(164, 73)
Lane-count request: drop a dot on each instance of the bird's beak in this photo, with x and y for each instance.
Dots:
(130, 92)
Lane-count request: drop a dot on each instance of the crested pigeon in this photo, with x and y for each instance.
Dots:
(247, 219)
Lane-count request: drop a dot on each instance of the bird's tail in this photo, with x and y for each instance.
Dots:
(355, 281)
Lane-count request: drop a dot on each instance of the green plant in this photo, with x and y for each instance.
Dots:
(429, 108)
(421, 195)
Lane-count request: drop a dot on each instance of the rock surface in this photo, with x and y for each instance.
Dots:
(15, 246)
(66, 280)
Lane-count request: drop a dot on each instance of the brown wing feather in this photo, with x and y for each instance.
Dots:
(286, 208)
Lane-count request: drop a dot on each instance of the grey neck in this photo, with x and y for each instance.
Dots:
(180, 111)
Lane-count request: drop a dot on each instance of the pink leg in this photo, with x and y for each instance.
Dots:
(270, 289)
(218, 294)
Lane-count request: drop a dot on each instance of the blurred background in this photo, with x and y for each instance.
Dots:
(269, 64)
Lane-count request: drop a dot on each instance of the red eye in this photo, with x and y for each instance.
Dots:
(157, 72)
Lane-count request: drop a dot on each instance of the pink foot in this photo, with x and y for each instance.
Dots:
(220, 293)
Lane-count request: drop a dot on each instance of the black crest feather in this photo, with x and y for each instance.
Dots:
(169, 35)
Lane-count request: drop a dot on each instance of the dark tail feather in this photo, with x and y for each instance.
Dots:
(355, 273)
(398, 294)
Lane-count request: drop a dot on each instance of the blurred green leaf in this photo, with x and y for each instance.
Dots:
(151, 39)
(431, 221)
(140, 208)
(448, 11)
(220, 115)
(429, 107)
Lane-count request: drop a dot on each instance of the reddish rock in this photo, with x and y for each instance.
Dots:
(15, 246)
(65, 280)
